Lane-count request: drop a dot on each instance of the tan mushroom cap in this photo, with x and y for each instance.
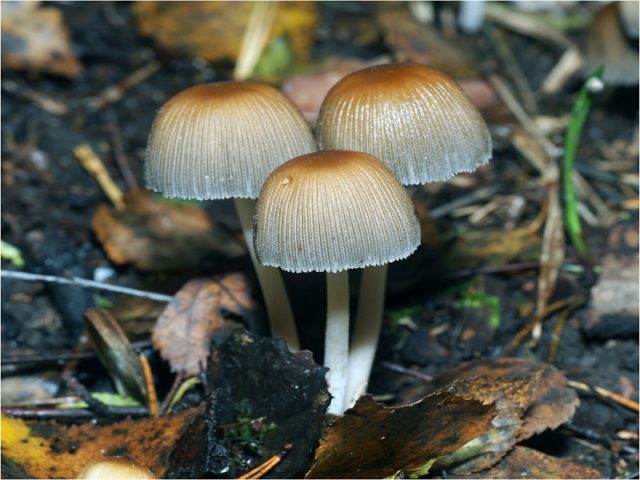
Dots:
(114, 468)
(331, 211)
(221, 140)
(413, 118)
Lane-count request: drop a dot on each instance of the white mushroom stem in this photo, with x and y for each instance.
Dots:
(336, 343)
(366, 331)
(273, 289)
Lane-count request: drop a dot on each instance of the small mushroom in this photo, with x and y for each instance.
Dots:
(329, 212)
(420, 124)
(221, 140)
(114, 468)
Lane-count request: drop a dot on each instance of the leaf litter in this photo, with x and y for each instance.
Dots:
(184, 329)
(158, 236)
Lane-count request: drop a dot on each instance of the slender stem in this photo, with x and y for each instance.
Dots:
(273, 290)
(366, 331)
(336, 343)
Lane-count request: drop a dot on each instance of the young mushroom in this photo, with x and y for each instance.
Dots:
(221, 140)
(329, 212)
(420, 124)
(114, 468)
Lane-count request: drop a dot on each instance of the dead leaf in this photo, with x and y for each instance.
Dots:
(553, 248)
(214, 30)
(553, 403)
(523, 462)
(287, 391)
(473, 249)
(36, 39)
(308, 90)
(430, 234)
(184, 329)
(412, 41)
(49, 450)
(156, 235)
(465, 426)
(511, 397)
(116, 353)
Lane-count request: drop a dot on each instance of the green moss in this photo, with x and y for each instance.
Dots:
(249, 432)
(473, 297)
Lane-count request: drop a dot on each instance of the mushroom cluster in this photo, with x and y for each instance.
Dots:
(339, 208)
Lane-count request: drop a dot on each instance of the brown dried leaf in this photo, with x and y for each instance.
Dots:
(214, 30)
(488, 248)
(184, 330)
(523, 462)
(156, 235)
(511, 397)
(308, 90)
(116, 353)
(411, 41)
(37, 40)
(371, 441)
(553, 403)
(553, 247)
(55, 451)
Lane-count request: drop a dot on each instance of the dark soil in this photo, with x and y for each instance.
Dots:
(49, 200)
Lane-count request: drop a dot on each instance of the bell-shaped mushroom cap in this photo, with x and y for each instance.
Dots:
(331, 211)
(413, 118)
(114, 468)
(221, 140)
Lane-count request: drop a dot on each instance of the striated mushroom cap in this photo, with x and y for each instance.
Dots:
(221, 140)
(331, 211)
(413, 118)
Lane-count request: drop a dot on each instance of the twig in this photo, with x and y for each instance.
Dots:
(60, 357)
(118, 153)
(505, 94)
(48, 104)
(255, 38)
(525, 24)
(513, 69)
(555, 336)
(152, 396)
(92, 163)
(407, 371)
(571, 302)
(608, 394)
(34, 277)
(116, 92)
(570, 63)
(587, 433)
(267, 466)
(95, 405)
(474, 196)
(72, 413)
(177, 381)
(184, 387)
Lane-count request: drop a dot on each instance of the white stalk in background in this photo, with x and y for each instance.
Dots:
(366, 332)
(273, 289)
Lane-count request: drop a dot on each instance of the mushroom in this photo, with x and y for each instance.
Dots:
(113, 469)
(329, 212)
(420, 124)
(221, 140)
